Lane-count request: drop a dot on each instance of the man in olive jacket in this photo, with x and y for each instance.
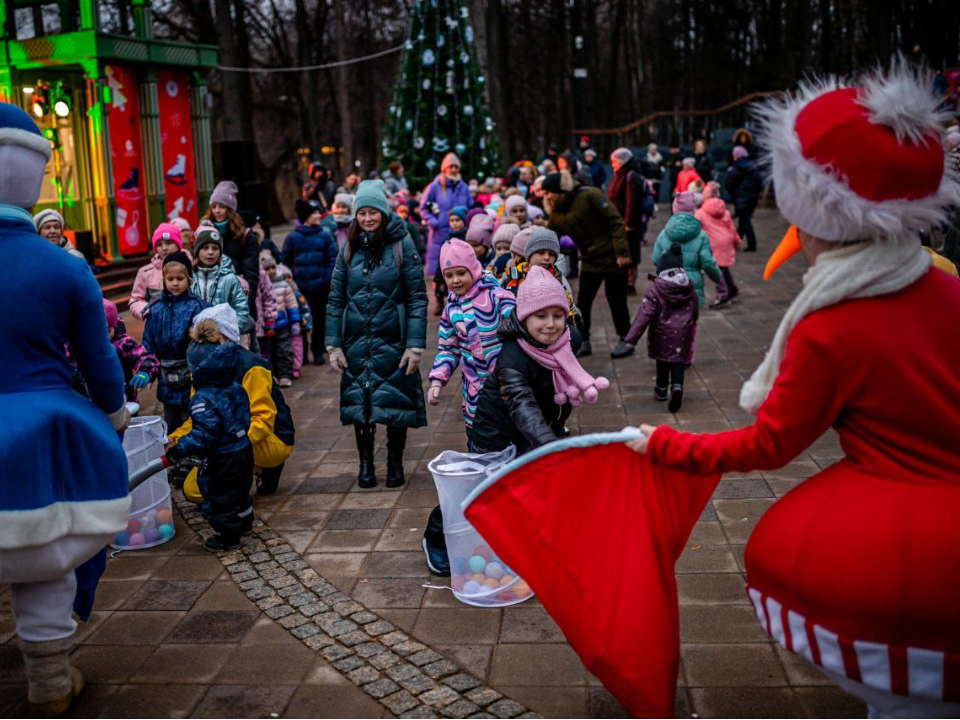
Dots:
(587, 216)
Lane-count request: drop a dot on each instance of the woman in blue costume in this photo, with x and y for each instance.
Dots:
(63, 473)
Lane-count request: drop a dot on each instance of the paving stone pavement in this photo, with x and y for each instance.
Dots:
(336, 621)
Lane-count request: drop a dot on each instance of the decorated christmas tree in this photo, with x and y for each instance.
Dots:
(439, 104)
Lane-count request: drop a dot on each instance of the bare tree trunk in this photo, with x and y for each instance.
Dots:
(233, 112)
(305, 56)
(343, 89)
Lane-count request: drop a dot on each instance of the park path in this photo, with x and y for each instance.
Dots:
(324, 614)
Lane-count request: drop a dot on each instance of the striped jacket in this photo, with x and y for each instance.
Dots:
(468, 337)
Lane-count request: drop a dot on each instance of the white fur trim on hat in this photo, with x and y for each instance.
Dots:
(25, 138)
(818, 200)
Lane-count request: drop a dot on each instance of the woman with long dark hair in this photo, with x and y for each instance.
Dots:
(240, 244)
(376, 331)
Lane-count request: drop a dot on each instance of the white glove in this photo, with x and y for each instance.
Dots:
(410, 360)
(337, 361)
(433, 394)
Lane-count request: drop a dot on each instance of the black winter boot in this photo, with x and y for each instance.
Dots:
(396, 442)
(367, 477)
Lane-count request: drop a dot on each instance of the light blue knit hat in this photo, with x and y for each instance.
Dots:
(371, 194)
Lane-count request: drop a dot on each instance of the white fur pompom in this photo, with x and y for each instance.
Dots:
(903, 100)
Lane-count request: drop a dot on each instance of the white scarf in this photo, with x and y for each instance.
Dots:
(853, 270)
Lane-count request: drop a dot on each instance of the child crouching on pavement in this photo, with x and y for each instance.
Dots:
(535, 386)
(670, 310)
(220, 416)
(140, 367)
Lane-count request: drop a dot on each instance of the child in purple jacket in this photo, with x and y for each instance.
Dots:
(139, 366)
(670, 309)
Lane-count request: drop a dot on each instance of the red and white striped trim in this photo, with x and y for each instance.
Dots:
(915, 672)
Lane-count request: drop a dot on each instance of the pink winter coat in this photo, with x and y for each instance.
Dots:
(717, 223)
(266, 305)
(147, 286)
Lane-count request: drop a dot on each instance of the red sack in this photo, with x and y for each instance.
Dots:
(596, 529)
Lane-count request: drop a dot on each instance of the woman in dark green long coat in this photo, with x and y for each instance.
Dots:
(376, 331)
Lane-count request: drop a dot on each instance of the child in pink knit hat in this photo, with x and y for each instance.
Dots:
(148, 284)
(467, 337)
(538, 379)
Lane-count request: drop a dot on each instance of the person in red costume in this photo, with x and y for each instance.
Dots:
(856, 569)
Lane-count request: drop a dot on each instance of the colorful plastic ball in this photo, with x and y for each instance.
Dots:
(483, 551)
(506, 596)
(137, 539)
(457, 583)
(491, 583)
(460, 565)
(166, 531)
(152, 535)
(478, 563)
(472, 587)
(165, 516)
(122, 538)
(493, 570)
(478, 578)
(521, 589)
(506, 580)
(133, 526)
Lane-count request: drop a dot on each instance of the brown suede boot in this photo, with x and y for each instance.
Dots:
(52, 683)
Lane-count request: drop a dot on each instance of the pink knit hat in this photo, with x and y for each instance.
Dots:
(685, 202)
(506, 233)
(711, 190)
(481, 230)
(167, 231)
(110, 310)
(519, 243)
(539, 291)
(457, 253)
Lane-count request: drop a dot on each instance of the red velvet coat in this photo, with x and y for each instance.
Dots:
(858, 568)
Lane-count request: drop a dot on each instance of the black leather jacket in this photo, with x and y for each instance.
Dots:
(516, 405)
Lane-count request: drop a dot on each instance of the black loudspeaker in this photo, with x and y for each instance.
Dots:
(84, 242)
(238, 162)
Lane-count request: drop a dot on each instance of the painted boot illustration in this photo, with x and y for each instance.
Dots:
(177, 174)
(130, 189)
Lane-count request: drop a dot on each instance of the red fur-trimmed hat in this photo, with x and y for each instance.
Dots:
(851, 162)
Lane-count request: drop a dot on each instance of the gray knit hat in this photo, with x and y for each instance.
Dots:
(542, 238)
(206, 235)
(624, 155)
(225, 193)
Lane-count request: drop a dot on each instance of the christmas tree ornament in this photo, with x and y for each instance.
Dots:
(441, 110)
(419, 143)
(460, 148)
(468, 110)
(408, 125)
(428, 57)
(427, 84)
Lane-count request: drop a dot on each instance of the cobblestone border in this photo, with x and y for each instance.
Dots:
(405, 676)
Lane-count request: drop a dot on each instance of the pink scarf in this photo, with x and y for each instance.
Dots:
(570, 380)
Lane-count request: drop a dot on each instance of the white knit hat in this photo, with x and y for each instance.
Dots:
(48, 215)
(226, 319)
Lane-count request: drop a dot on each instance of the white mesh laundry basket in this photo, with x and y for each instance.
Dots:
(151, 511)
(477, 575)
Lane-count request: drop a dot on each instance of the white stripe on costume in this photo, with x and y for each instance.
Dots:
(926, 668)
(757, 599)
(926, 672)
(830, 656)
(798, 632)
(874, 661)
(776, 620)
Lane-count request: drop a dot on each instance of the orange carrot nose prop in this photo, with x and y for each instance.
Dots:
(788, 247)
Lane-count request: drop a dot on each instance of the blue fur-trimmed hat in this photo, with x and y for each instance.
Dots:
(24, 153)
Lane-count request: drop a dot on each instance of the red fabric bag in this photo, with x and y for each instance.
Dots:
(596, 529)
